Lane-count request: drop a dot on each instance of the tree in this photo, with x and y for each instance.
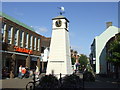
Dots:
(113, 55)
(73, 59)
(114, 52)
(73, 56)
(75, 53)
(83, 59)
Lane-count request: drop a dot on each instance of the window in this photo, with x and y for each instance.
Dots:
(38, 47)
(31, 41)
(27, 38)
(35, 40)
(21, 38)
(16, 37)
(2, 31)
(10, 34)
(42, 49)
(66, 25)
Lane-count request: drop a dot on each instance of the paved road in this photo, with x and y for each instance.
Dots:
(99, 83)
(102, 82)
(15, 83)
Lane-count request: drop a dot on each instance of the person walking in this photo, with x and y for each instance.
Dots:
(27, 72)
(20, 72)
(37, 72)
(23, 72)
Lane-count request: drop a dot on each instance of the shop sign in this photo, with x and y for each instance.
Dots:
(23, 50)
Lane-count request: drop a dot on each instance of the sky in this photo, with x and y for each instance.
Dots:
(87, 19)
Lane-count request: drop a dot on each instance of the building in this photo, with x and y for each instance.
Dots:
(44, 58)
(21, 45)
(99, 49)
(113, 70)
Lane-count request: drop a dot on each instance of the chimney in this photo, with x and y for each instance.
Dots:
(108, 24)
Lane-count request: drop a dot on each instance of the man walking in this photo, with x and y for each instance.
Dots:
(20, 72)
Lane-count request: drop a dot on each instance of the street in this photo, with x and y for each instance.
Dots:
(15, 83)
(100, 82)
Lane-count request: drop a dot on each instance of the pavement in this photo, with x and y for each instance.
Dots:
(100, 82)
(15, 83)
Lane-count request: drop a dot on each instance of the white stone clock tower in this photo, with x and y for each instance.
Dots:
(60, 56)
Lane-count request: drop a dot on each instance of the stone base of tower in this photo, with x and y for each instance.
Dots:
(56, 68)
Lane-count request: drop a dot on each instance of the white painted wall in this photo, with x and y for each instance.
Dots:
(59, 57)
(101, 41)
(45, 55)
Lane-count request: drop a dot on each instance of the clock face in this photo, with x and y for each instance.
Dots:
(58, 23)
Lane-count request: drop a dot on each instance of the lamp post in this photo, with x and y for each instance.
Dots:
(34, 80)
(83, 81)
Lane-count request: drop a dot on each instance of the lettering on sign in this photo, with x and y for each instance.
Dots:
(23, 50)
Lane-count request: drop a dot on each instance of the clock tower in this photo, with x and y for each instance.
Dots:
(60, 56)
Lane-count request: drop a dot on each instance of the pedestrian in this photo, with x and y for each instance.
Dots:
(23, 72)
(37, 72)
(20, 72)
(31, 73)
(27, 72)
(76, 67)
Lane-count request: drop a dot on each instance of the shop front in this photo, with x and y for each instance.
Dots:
(12, 60)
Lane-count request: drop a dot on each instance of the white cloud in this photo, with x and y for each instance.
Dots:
(39, 29)
(43, 29)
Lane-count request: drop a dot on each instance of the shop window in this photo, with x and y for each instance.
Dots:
(42, 49)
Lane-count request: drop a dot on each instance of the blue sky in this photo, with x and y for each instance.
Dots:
(87, 19)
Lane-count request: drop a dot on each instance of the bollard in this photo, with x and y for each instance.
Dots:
(60, 79)
(34, 80)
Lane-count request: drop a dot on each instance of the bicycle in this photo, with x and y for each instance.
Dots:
(32, 84)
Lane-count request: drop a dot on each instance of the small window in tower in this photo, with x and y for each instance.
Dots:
(66, 25)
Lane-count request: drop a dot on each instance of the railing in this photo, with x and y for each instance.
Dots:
(32, 85)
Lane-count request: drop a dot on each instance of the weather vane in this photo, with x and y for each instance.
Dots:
(62, 10)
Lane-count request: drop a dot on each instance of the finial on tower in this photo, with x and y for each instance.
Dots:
(62, 10)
